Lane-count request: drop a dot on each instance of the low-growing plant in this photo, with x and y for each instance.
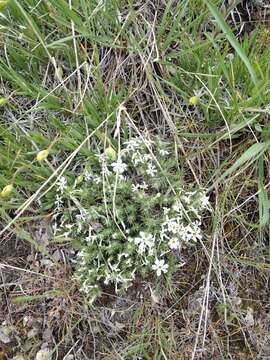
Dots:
(129, 214)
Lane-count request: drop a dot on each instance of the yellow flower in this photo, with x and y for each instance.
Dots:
(110, 153)
(194, 100)
(42, 155)
(7, 190)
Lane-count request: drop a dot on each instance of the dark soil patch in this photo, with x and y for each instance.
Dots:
(248, 14)
(13, 249)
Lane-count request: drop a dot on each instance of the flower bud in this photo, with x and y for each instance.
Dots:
(3, 4)
(194, 100)
(7, 190)
(79, 179)
(110, 153)
(3, 100)
(42, 155)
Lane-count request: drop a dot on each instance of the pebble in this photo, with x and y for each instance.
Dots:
(4, 335)
(69, 357)
(43, 354)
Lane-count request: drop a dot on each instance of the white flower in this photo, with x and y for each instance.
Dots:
(85, 287)
(177, 206)
(137, 159)
(132, 144)
(148, 239)
(147, 157)
(204, 201)
(69, 226)
(58, 202)
(151, 170)
(107, 279)
(173, 226)
(119, 167)
(163, 152)
(101, 158)
(88, 175)
(81, 254)
(114, 267)
(55, 228)
(125, 255)
(144, 186)
(62, 184)
(105, 170)
(83, 214)
(174, 243)
(144, 240)
(160, 266)
(97, 180)
(187, 199)
(166, 210)
(66, 235)
(197, 223)
(186, 233)
(142, 246)
(79, 227)
(88, 239)
(80, 220)
(191, 233)
(135, 188)
(197, 233)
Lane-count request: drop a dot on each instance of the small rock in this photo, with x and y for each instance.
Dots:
(236, 300)
(18, 357)
(26, 320)
(4, 335)
(249, 318)
(47, 335)
(69, 357)
(33, 332)
(46, 262)
(44, 354)
(119, 326)
(155, 297)
(56, 255)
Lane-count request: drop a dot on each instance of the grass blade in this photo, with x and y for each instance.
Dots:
(232, 39)
(251, 154)
(263, 197)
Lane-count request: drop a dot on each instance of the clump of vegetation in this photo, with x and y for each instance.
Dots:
(131, 214)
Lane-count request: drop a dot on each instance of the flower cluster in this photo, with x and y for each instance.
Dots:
(130, 215)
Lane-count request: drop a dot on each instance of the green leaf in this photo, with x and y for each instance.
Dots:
(27, 298)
